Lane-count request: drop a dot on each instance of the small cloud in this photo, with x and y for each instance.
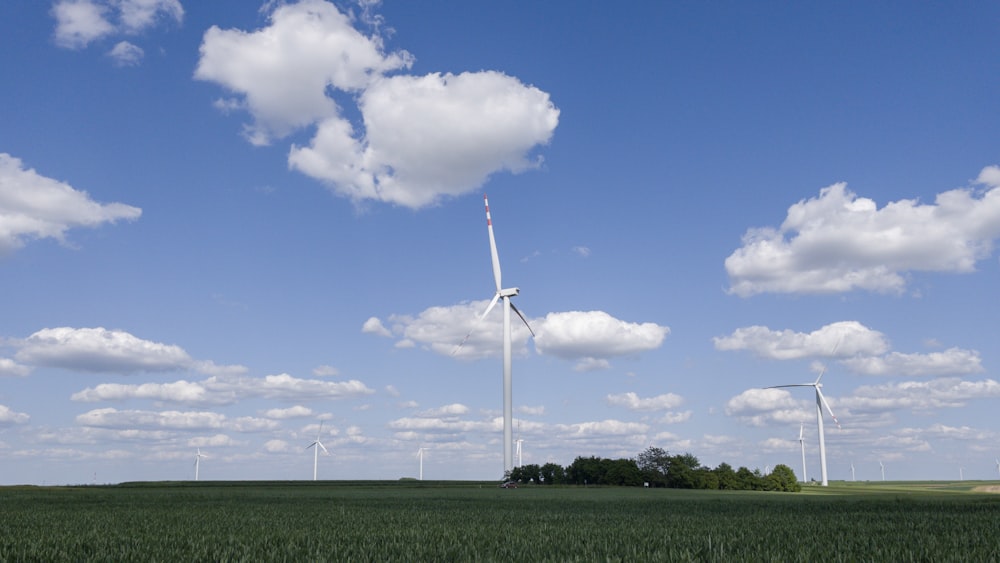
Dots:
(126, 54)
(11, 368)
(325, 371)
(9, 417)
(374, 326)
(592, 364)
(298, 411)
(581, 251)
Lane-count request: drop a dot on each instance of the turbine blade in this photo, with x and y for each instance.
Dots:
(327, 452)
(496, 297)
(522, 318)
(821, 372)
(827, 405)
(791, 385)
(493, 244)
(801, 427)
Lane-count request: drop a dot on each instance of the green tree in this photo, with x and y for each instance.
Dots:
(552, 474)
(622, 472)
(727, 477)
(682, 471)
(585, 471)
(782, 478)
(654, 464)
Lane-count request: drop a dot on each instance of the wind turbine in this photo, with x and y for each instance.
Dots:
(317, 444)
(420, 454)
(802, 445)
(505, 294)
(820, 403)
(852, 471)
(197, 463)
(882, 465)
(998, 464)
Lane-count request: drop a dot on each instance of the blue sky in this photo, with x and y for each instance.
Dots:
(222, 223)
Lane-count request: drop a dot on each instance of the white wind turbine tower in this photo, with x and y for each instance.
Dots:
(420, 454)
(197, 463)
(802, 445)
(505, 294)
(317, 445)
(998, 464)
(852, 471)
(882, 465)
(820, 403)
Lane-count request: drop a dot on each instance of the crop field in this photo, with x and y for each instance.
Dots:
(447, 521)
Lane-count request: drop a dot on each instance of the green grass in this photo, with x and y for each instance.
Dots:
(464, 521)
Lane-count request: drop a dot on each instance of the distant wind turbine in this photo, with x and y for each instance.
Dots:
(519, 441)
(882, 465)
(802, 445)
(505, 294)
(820, 403)
(852, 471)
(998, 465)
(197, 463)
(317, 445)
(961, 477)
(420, 454)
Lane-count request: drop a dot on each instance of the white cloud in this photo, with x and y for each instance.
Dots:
(588, 337)
(138, 15)
(948, 392)
(953, 361)
(11, 368)
(633, 402)
(9, 417)
(227, 390)
(325, 371)
(108, 351)
(600, 428)
(594, 334)
(760, 407)
(448, 425)
(443, 329)
(286, 387)
(840, 339)
(216, 441)
(174, 420)
(33, 206)
(171, 420)
(860, 349)
(177, 391)
(284, 71)
(298, 411)
(126, 54)
(423, 138)
(277, 446)
(429, 137)
(839, 242)
(454, 409)
(582, 251)
(80, 22)
(675, 417)
(374, 326)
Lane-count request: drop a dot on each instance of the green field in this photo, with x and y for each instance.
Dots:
(448, 521)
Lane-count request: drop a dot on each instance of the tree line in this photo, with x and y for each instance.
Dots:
(655, 467)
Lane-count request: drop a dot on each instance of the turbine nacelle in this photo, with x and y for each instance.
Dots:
(509, 292)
